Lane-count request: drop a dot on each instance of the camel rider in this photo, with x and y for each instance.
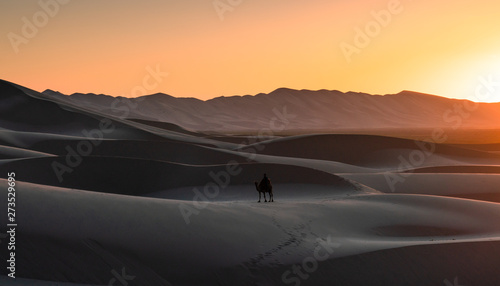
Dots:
(265, 182)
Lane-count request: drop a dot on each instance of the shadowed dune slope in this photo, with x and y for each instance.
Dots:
(473, 263)
(166, 126)
(23, 109)
(459, 170)
(364, 150)
(166, 150)
(7, 152)
(138, 176)
(22, 112)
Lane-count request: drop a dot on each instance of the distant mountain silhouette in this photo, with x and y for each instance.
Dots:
(322, 110)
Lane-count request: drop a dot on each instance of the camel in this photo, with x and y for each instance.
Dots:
(268, 189)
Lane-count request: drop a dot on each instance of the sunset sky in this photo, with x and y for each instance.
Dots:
(441, 47)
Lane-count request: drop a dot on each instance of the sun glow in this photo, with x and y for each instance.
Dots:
(481, 80)
(441, 47)
(488, 87)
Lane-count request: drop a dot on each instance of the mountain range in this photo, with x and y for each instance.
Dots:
(296, 110)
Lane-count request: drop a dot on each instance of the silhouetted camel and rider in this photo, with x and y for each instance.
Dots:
(264, 187)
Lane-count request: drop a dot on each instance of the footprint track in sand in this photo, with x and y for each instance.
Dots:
(295, 236)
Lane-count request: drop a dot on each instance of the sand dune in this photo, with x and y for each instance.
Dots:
(357, 226)
(139, 176)
(370, 151)
(30, 111)
(161, 204)
(12, 152)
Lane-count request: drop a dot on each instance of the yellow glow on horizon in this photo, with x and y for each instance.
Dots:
(106, 47)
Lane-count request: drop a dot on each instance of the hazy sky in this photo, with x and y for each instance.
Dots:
(237, 47)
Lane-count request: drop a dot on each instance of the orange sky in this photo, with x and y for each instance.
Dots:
(440, 47)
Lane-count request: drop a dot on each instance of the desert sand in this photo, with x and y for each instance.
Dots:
(106, 200)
